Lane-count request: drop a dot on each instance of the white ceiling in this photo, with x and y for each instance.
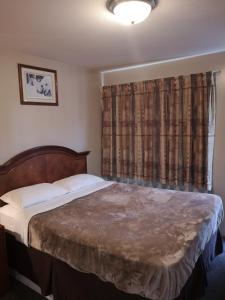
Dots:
(84, 33)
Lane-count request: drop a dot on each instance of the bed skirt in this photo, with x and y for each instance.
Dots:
(56, 277)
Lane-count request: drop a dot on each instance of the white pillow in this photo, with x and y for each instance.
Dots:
(34, 194)
(74, 183)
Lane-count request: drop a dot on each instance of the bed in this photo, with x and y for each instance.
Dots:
(117, 252)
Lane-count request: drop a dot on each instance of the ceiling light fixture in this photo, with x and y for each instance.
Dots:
(131, 11)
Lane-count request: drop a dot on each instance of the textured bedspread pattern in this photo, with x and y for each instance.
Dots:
(143, 240)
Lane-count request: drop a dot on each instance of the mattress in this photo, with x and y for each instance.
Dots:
(116, 232)
(145, 241)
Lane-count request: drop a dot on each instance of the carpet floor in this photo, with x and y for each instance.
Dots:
(215, 289)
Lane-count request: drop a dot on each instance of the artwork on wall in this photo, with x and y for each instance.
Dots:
(38, 86)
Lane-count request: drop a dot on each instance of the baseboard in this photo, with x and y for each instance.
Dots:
(24, 280)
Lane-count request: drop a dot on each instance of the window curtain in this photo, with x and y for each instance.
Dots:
(160, 132)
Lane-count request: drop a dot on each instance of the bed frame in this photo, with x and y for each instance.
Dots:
(48, 164)
(41, 164)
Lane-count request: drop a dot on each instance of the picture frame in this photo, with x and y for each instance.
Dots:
(38, 86)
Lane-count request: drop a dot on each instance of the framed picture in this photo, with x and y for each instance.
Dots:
(38, 86)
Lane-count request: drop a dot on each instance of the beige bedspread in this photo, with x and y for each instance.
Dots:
(145, 241)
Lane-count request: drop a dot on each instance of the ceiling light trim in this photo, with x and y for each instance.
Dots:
(111, 4)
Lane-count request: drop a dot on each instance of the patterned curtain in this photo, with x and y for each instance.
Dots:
(160, 132)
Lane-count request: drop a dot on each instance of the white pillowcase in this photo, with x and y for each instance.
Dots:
(74, 183)
(34, 194)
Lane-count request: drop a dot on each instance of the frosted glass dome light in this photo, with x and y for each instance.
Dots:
(131, 11)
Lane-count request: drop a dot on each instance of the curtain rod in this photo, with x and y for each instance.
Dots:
(216, 72)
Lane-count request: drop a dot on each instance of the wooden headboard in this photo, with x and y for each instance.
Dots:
(41, 164)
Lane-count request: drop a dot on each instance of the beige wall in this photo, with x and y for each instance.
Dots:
(184, 67)
(75, 123)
